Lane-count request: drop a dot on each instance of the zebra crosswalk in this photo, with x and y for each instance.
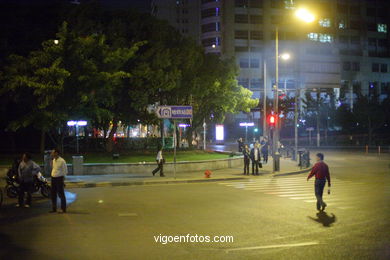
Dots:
(298, 189)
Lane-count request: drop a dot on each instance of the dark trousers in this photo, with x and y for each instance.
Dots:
(57, 189)
(265, 156)
(25, 187)
(256, 164)
(246, 166)
(160, 167)
(319, 190)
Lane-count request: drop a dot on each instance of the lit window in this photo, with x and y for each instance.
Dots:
(313, 36)
(342, 25)
(324, 22)
(320, 37)
(289, 4)
(381, 27)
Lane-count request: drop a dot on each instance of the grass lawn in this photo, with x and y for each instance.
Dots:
(130, 157)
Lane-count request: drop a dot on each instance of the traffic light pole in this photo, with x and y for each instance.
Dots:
(276, 156)
(265, 98)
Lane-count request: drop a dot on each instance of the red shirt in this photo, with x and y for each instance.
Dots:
(321, 171)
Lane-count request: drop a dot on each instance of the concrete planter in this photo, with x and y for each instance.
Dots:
(137, 168)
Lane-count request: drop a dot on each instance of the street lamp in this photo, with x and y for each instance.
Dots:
(246, 124)
(77, 124)
(306, 16)
(285, 56)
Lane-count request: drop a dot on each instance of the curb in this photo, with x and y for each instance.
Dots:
(134, 183)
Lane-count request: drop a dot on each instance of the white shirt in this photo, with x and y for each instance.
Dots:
(256, 154)
(159, 156)
(59, 168)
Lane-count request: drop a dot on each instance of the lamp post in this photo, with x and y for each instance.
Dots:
(303, 15)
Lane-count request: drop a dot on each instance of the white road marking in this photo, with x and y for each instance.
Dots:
(346, 207)
(297, 195)
(299, 198)
(273, 246)
(326, 200)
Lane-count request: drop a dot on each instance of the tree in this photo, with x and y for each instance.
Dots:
(80, 77)
(370, 114)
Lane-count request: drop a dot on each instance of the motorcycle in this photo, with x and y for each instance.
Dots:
(12, 186)
(40, 185)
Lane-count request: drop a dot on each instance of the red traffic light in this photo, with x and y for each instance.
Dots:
(272, 120)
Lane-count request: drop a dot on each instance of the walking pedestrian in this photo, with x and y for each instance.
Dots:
(247, 158)
(160, 163)
(264, 149)
(240, 145)
(26, 171)
(58, 173)
(255, 156)
(321, 172)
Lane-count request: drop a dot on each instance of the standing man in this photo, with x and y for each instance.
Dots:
(26, 171)
(255, 156)
(264, 149)
(321, 172)
(247, 158)
(58, 173)
(240, 145)
(160, 163)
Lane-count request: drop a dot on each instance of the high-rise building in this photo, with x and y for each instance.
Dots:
(345, 49)
(181, 14)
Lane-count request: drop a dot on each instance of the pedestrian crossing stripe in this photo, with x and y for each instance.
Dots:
(298, 189)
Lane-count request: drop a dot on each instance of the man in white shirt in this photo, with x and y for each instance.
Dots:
(160, 163)
(255, 156)
(58, 173)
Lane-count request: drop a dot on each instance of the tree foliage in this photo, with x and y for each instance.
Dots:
(111, 66)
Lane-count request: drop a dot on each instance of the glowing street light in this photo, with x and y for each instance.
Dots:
(77, 124)
(304, 15)
(285, 56)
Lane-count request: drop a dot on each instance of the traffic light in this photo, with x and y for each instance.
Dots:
(272, 120)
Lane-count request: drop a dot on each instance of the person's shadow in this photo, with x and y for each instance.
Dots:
(324, 218)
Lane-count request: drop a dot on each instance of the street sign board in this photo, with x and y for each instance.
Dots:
(247, 124)
(174, 112)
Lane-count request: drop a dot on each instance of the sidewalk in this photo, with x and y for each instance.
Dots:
(88, 181)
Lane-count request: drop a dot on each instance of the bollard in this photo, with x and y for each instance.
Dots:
(366, 149)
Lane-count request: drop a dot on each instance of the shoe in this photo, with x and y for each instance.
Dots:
(153, 173)
(162, 175)
(53, 211)
(17, 205)
(63, 211)
(26, 206)
(323, 207)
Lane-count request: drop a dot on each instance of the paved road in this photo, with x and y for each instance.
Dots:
(268, 217)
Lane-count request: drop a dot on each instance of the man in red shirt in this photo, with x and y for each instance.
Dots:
(321, 171)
